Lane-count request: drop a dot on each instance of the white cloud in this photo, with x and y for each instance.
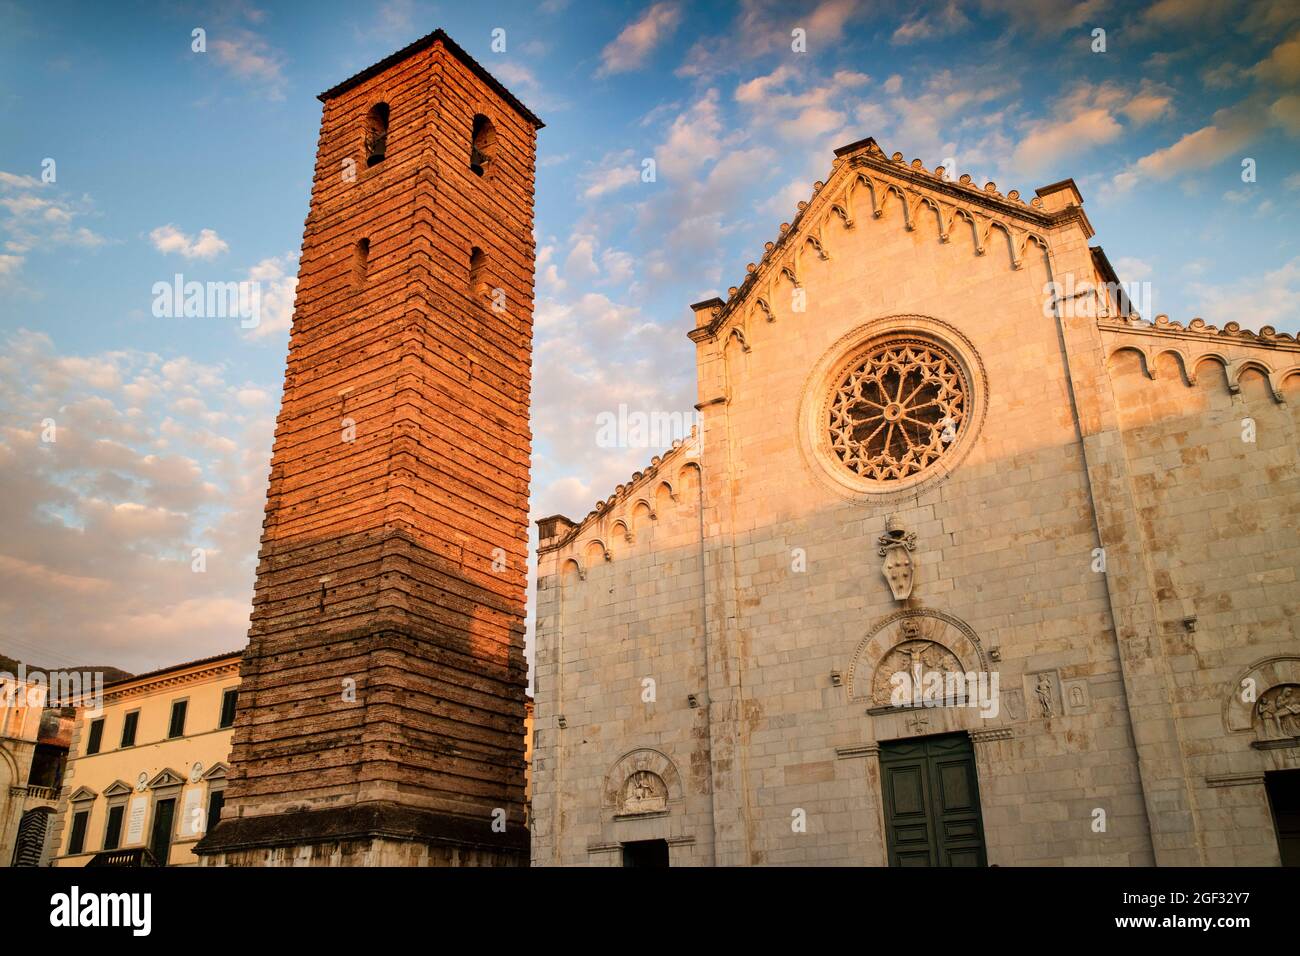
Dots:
(1085, 118)
(693, 139)
(1232, 128)
(592, 354)
(800, 114)
(581, 261)
(40, 223)
(101, 522)
(1049, 140)
(1223, 76)
(16, 181)
(1148, 106)
(1130, 269)
(763, 27)
(633, 46)
(395, 18)
(249, 57)
(207, 245)
(827, 21)
(783, 203)
(945, 119)
(277, 283)
(1169, 14)
(942, 22)
(1046, 17)
(252, 397)
(612, 173)
(515, 75)
(618, 265)
(1254, 300)
(1285, 112)
(523, 82)
(756, 91)
(1282, 66)
(548, 272)
(1226, 135)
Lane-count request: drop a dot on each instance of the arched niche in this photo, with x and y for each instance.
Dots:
(665, 498)
(1251, 702)
(571, 572)
(642, 517)
(642, 781)
(938, 640)
(595, 553)
(1130, 360)
(687, 484)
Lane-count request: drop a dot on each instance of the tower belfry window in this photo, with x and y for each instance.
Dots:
(360, 262)
(376, 134)
(478, 284)
(483, 148)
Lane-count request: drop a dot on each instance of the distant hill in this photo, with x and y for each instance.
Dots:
(87, 671)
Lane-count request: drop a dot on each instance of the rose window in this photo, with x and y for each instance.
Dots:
(898, 410)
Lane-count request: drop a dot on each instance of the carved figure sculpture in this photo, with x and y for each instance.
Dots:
(1044, 694)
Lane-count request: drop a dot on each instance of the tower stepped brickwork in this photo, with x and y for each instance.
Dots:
(381, 715)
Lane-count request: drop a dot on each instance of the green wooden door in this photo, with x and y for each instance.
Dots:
(932, 803)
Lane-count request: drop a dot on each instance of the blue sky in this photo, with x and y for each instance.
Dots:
(170, 161)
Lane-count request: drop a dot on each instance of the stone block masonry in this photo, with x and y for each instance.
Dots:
(381, 714)
(916, 456)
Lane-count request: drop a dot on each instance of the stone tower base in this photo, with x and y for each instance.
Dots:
(378, 834)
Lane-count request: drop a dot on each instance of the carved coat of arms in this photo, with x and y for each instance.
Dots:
(896, 546)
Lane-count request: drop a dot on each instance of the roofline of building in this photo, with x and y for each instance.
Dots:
(868, 153)
(1102, 262)
(149, 676)
(649, 473)
(437, 36)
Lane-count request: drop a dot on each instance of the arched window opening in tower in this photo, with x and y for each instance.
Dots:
(376, 134)
(360, 262)
(483, 149)
(478, 284)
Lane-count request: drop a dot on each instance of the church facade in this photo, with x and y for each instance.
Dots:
(965, 564)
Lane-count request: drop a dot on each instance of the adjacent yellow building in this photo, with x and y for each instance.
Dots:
(149, 772)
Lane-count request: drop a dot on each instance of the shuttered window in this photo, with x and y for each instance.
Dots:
(128, 728)
(228, 700)
(113, 831)
(177, 727)
(78, 839)
(216, 801)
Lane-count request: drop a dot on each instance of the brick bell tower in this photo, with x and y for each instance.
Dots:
(381, 709)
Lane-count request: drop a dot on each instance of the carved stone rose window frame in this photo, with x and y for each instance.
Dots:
(896, 403)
